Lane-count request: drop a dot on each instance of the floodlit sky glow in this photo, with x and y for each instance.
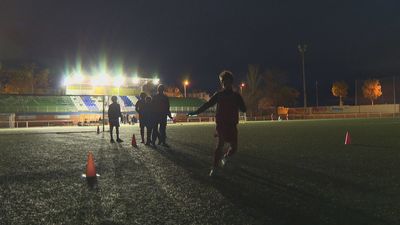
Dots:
(196, 40)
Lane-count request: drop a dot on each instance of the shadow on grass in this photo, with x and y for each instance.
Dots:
(376, 147)
(270, 199)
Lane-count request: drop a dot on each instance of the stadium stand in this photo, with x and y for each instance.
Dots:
(185, 102)
(15, 104)
(98, 101)
(127, 102)
(78, 102)
(43, 104)
(90, 104)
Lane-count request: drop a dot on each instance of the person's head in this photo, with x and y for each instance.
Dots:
(114, 98)
(226, 79)
(148, 99)
(160, 88)
(143, 95)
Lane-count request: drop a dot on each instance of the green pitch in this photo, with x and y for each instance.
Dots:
(288, 172)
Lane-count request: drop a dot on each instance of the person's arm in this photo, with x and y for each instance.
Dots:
(168, 109)
(206, 105)
(240, 102)
(137, 107)
(109, 111)
(119, 112)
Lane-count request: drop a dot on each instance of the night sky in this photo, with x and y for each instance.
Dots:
(346, 39)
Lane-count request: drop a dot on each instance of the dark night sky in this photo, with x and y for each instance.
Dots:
(347, 39)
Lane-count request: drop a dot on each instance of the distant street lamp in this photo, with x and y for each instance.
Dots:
(302, 49)
(242, 85)
(185, 84)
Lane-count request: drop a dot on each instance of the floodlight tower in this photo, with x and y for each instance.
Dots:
(302, 49)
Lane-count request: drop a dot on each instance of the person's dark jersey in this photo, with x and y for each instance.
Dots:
(114, 112)
(148, 114)
(228, 105)
(161, 104)
(139, 106)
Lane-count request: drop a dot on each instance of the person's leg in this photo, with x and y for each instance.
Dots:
(233, 142)
(155, 134)
(117, 131)
(163, 128)
(218, 153)
(149, 133)
(141, 124)
(231, 150)
(111, 132)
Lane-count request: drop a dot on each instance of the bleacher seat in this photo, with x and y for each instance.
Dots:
(90, 104)
(12, 103)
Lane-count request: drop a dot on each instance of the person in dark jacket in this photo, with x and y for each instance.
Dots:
(114, 113)
(161, 104)
(138, 107)
(148, 115)
(227, 117)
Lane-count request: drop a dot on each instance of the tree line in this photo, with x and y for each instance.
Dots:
(268, 89)
(371, 90)
(26, 79)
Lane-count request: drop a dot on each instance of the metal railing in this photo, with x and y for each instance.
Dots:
(43, 123)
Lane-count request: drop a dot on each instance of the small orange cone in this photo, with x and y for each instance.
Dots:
(98, 130)
(90, 167)
(134, 141)
(347, 139)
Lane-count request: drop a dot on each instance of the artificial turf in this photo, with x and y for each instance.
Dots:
(287, 172)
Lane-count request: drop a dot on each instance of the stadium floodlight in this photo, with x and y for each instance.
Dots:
(156, 81)
(135, 80)
(94, 81)
(66, 81)
(118, 81)
(103, 80)
(78, 77)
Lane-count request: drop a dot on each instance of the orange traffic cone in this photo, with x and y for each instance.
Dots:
(347, 139)
(98, 130)
(90, 167)
(134, 141)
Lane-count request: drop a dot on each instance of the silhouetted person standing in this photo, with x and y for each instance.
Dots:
(114, 113)
(161, 104)
(139, 109)
(148, 115)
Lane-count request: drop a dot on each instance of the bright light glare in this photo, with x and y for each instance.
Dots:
(67, 81)
(78, 78)
(94, 81)
(135, 80)
(156, 81)
(103, 80)
(118, 81)
(242, 84)
(186, 82)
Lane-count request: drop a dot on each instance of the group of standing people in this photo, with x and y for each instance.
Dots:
(153, 113)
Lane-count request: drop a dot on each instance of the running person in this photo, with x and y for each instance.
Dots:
(139, 109)
(227, 117)
(114, 113)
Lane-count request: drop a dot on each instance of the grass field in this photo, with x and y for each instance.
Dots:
(288, 172)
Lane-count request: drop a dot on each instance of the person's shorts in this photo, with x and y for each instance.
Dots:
(228, 132)
(114, 122)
